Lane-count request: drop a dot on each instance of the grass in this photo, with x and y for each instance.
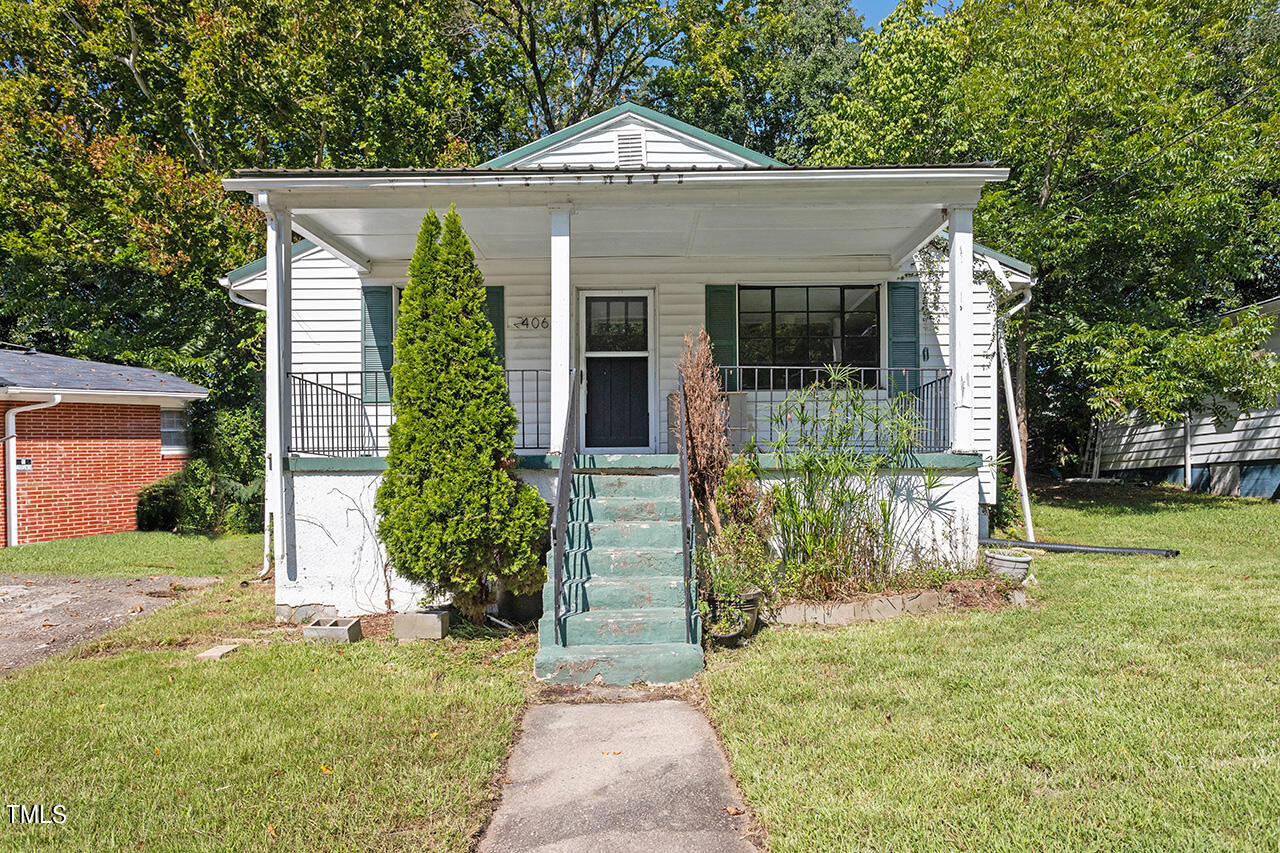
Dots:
(282, 745)
(1136, 708)
(135, 554)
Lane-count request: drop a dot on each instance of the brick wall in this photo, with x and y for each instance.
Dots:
(89, 461)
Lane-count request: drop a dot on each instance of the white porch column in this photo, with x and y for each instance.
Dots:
(960, 226)
(279, 358)
(561, 321)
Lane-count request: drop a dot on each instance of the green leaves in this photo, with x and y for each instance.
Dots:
(450, 514)
(1164, 373)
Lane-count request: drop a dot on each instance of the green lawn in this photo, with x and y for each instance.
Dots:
(1136, 708)
(287, 745)
(135, 554)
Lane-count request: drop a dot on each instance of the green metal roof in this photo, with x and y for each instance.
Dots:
(254, 267)
(667, 121)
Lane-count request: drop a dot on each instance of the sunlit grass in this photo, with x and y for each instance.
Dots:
(284, 744)
(1137, 707)
(135, 555)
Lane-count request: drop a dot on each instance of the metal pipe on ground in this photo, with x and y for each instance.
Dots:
(1063, 548)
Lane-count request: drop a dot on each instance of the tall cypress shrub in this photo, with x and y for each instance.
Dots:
(451, 514)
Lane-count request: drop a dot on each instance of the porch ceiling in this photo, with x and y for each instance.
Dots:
(878, 216)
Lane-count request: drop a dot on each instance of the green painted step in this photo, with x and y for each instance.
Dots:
(620, 563)
(631, 593)
(610, 627)
(624, 534)
(656, 663)
(624, 509)
(625, 486)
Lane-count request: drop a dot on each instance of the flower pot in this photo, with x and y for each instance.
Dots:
(1009, 564)
(741, 611)
(749, 603)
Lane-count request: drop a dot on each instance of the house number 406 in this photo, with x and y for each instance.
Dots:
(530, 322)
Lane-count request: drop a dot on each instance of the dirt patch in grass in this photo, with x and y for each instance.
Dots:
(983, 593)
(44, 616)
(375, 626)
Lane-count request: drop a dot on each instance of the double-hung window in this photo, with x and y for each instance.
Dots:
(173, 431)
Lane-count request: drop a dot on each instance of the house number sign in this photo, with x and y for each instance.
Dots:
(529, 323)
(23, 465)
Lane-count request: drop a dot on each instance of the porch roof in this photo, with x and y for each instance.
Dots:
(877, 217)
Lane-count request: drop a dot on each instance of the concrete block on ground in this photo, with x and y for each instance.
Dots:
(334, 630)
(218, 652)
(421, 625)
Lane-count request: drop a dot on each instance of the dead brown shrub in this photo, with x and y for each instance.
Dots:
(708, 437)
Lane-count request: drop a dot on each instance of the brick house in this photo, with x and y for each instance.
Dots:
(81, 438)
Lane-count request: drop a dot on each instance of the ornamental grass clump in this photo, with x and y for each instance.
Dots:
(451, 514)
(842, 503)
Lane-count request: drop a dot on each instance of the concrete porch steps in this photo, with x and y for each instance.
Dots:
(624, 599)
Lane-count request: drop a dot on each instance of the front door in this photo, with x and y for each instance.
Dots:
(617, 337)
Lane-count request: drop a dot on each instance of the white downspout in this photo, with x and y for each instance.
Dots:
(11, 466)
(1015, 435)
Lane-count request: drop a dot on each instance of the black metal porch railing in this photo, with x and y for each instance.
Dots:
(348, 412)
(755, 393)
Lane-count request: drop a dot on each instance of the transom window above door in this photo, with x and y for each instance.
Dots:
(792, 325)
(617, 324)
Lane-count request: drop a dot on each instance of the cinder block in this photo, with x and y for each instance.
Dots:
(421, 625)
(218, 652)
(334, 630)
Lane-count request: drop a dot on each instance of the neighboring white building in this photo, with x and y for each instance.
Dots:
(602, 246)
(1239, 457)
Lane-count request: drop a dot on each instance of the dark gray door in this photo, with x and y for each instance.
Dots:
(617, 364)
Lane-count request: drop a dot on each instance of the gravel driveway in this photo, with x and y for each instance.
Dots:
(42, 616)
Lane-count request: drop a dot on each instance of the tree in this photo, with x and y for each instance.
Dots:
(569, 59)
(1141, 139)
(759, 74)
(451, 514)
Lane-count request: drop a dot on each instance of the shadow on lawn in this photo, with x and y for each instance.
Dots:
(1126, 499)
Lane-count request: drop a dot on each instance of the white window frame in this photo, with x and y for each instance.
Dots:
(166, 431)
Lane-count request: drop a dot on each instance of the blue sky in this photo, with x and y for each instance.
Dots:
(874, 11)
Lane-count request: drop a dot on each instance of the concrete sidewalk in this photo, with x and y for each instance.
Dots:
(617, 776)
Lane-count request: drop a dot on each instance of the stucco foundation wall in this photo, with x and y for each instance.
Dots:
(337, 567)
(942, 523)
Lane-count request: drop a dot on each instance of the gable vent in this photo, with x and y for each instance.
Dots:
(631, 149)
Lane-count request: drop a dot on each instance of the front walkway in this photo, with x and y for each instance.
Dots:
(618, 776)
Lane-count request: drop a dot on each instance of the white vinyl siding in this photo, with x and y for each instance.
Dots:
(601, 147)
(1252, 437)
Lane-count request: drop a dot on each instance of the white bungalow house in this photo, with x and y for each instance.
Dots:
(602, 246)
(1240, 456)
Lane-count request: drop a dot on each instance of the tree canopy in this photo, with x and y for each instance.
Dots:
(1143, 142)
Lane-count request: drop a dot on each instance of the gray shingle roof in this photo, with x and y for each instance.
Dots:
(24, 369)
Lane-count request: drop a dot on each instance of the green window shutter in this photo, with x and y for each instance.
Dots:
(377, 342)
(495, 313)
(904, 331)
(721, 321)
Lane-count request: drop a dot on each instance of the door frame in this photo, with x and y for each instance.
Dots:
(650, 295)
